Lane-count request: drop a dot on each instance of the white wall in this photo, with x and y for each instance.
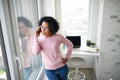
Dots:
(109, 40)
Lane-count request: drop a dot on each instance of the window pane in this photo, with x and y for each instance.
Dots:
(75, 18)
(2, 66)
(26, 19)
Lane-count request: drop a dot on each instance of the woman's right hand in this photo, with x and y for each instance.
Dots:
(64, 60)
(38, 31)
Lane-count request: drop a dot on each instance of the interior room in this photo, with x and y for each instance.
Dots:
(93, 26)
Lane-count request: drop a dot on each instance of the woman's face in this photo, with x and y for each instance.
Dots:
(45, 29)
(22, 29)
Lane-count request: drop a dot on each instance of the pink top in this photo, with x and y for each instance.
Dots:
(27, 50)
(50, 49)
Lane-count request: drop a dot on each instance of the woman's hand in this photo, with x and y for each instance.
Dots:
(64, 60)
(38, 31)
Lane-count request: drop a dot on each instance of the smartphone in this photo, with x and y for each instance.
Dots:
(38, 30)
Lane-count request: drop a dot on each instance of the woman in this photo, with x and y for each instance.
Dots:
(25, 33)
(47, 42)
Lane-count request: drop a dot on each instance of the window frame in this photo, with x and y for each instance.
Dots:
(11, 38)
(93, 20)
(4, 56)
(8, 39)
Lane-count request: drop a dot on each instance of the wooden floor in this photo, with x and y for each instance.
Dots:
(88, 72)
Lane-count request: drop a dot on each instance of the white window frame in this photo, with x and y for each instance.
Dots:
(9, 23)
(93, 20)
(8, 39)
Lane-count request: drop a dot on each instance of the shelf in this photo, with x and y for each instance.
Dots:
(84, 51)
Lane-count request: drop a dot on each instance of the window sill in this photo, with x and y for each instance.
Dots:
(83, 51)
(35, 74)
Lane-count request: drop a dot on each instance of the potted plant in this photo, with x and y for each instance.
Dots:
(92, 44)
(88, 42)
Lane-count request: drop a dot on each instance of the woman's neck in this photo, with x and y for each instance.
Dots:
(48, 35)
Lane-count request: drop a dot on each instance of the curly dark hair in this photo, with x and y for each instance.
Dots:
(52, 23)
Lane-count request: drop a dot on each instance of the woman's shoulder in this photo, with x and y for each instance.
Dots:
(59, 36)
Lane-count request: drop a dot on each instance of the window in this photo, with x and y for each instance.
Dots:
(4, 69)
(21, 19)
(75, 18)
(27, 21)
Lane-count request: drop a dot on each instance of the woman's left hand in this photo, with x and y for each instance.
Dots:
(64, 60)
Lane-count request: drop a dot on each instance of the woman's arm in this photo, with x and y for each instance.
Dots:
(69, 45)
(36, 46)
(36, 49)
